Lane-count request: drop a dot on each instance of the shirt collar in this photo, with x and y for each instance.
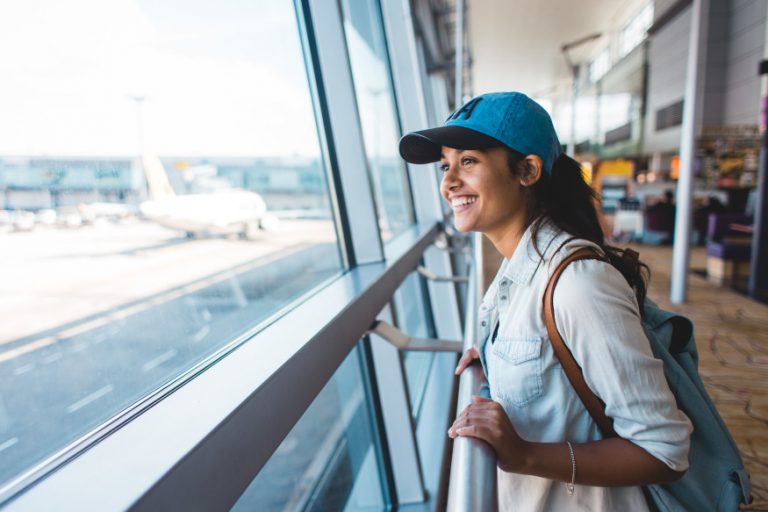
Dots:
(524, 262)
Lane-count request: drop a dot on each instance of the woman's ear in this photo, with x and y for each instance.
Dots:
(532, 169)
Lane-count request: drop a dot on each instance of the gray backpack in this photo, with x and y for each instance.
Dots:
(716, 479)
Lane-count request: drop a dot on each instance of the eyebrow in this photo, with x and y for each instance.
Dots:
(442, 155)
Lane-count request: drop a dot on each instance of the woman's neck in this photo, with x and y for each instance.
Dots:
(507, 238)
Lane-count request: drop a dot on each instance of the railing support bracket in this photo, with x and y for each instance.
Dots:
(434, 277)
(404, 342)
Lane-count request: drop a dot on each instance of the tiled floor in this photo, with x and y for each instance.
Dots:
(732, 335)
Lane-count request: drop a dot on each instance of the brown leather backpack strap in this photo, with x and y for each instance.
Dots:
(594, 405)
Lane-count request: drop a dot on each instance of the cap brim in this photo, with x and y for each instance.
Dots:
(425, 146)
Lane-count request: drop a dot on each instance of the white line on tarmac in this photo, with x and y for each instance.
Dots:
(7, 444)
(202, 333)
(154, 363)
(79, 347)
(23, 369)
(90, 398)
(51, 358)
(99, 338)
(29, 347)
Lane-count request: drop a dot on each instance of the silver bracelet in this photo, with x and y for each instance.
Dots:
(572, 485)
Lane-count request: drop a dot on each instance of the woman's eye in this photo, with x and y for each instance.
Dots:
(444, 167)
(467, 161)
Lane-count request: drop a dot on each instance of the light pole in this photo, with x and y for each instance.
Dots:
(139, 167)
(139, 99)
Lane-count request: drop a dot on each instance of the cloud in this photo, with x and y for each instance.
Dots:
(70, 69)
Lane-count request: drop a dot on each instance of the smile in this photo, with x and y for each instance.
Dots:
(462, 201)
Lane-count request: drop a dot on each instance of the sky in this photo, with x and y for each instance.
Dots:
(218, 78)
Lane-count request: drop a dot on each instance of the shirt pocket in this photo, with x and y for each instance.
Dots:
(515, 375)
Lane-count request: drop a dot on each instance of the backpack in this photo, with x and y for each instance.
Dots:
(716, 479)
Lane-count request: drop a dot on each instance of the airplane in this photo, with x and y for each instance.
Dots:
(222, 212)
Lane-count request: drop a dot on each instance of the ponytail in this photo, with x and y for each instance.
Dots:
(568, 201)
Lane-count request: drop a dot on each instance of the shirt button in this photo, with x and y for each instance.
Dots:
(504, 282)
(483, 323)
(503, 297)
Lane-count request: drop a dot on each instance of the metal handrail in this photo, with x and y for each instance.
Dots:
(472, 484)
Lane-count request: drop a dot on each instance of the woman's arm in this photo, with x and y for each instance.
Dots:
(612, 462)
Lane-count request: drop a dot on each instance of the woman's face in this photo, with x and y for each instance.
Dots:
(484, 193)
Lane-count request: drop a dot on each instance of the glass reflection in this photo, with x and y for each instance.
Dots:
(162, 192)
(328, 461)
(415, 319)
(376, 103)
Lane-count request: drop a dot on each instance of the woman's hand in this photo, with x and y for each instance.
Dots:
(467, 359)
(485, 419)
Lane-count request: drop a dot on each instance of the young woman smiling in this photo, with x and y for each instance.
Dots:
(504, 175)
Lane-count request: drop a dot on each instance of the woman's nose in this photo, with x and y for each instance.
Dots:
(450, 180)
(450, 175)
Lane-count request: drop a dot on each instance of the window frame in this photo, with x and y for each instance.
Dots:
(194, 439)
(183, 448)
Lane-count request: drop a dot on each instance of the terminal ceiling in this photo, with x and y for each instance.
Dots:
(516, 44)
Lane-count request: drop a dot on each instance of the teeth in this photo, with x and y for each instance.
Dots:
(460, 201)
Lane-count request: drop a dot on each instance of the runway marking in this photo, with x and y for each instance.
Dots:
(7, 444)
(51, 358)
(99, 338)
(154, 363)
(90, 398)
(24, 369)
(79, 347)
(29, 347)
(202, 333)
(163, 297)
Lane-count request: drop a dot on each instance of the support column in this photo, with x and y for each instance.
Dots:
(758, 275)
(458, 99)
(694, 96)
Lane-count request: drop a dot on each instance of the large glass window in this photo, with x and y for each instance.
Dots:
(636, 29)
(376, 103)
(415, 319)
(600, 66)
(162, 193)
(329, 460)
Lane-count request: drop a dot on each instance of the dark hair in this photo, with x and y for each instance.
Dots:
(566, 200)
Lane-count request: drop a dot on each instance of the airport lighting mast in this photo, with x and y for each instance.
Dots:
(139, 99)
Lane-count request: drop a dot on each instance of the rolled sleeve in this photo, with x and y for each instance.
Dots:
(597, 316)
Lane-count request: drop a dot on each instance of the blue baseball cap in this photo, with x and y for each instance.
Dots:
(509, 119)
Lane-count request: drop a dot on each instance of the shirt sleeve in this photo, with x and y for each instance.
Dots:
(597, 315)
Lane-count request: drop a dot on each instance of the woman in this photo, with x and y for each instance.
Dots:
(504, 175)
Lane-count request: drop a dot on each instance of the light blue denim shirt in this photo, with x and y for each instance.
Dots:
(597, 315)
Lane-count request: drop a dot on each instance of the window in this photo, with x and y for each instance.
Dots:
(376, 103)
(329, 460)
(635, 30)
(600, 66)
(615, 111)
(415, 319)
(163, 194)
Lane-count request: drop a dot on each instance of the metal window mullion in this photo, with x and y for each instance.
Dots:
(365, 236)
(353, 182)
(398, 425)
(411, 93)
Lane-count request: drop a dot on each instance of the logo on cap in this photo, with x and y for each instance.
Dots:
(465, 109)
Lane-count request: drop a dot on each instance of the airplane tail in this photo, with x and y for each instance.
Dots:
(158, 185)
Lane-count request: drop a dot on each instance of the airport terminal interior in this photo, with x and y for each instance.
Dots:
(222, 288)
